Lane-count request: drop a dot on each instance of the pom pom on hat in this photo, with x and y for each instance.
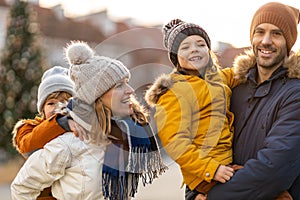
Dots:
(79, 53)
(168, 28)
(93, 75)
(176, 31)
(285, 17)
(55, 79)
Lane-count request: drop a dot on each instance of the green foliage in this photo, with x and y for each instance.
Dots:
(20, 71)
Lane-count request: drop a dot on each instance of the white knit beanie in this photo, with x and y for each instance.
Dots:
(55, 79)
(93, 75)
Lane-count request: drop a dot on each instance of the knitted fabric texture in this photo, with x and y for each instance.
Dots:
(93, 75)
(124, 168)
(176, 31)
(285, 17)
(55, 79)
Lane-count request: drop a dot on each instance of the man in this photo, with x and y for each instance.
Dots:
(267, 110)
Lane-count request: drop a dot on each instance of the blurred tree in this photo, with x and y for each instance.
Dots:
(20, 71)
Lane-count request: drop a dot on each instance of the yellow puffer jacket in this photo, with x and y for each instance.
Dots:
(194, 122)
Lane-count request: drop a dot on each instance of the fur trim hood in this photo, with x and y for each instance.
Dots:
(165, 81)
(159, 87)
(244, 62)
(18, 125)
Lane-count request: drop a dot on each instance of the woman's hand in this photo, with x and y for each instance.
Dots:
(78, 130)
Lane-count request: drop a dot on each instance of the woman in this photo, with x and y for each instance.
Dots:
(192, 108)
(121, 146)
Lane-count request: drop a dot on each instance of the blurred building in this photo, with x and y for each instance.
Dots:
(226, 53)
(139, 48)
(56, 30)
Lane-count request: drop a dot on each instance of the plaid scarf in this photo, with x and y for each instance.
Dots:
(133, 154)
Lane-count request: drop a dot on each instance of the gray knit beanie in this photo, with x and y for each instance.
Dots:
(93, 75)
(55, 79)
(176, 31)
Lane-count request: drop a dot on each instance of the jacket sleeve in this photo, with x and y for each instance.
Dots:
(230, 79)
(177, 131)
(31, 137)
(276, 166)
(40, 170)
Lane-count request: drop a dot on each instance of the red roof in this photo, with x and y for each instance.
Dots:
(52, 26)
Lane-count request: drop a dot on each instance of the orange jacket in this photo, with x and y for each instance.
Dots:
(32, 134)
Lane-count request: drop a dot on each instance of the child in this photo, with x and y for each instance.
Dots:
(192, 108)
(30, 135)
(55, 87)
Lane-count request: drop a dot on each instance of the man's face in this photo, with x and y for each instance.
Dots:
(269, 46)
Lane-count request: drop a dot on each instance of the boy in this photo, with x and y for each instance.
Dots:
(30, 135)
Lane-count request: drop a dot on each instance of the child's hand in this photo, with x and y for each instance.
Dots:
(78, 130)
(223, 174)
(200, 197)
(284, 196)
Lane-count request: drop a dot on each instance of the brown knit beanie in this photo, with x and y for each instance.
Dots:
(93, 75)
(176, 31)
(283, 16)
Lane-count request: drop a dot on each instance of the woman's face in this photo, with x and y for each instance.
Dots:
(117, 99)
(193, 53)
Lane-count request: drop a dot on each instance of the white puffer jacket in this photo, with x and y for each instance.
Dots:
(72, 167)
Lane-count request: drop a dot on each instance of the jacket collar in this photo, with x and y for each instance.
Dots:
(243, 63)
(166, 81)
(161, 86)
(252, 74)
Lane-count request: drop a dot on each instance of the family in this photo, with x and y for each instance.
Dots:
(234, 132)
